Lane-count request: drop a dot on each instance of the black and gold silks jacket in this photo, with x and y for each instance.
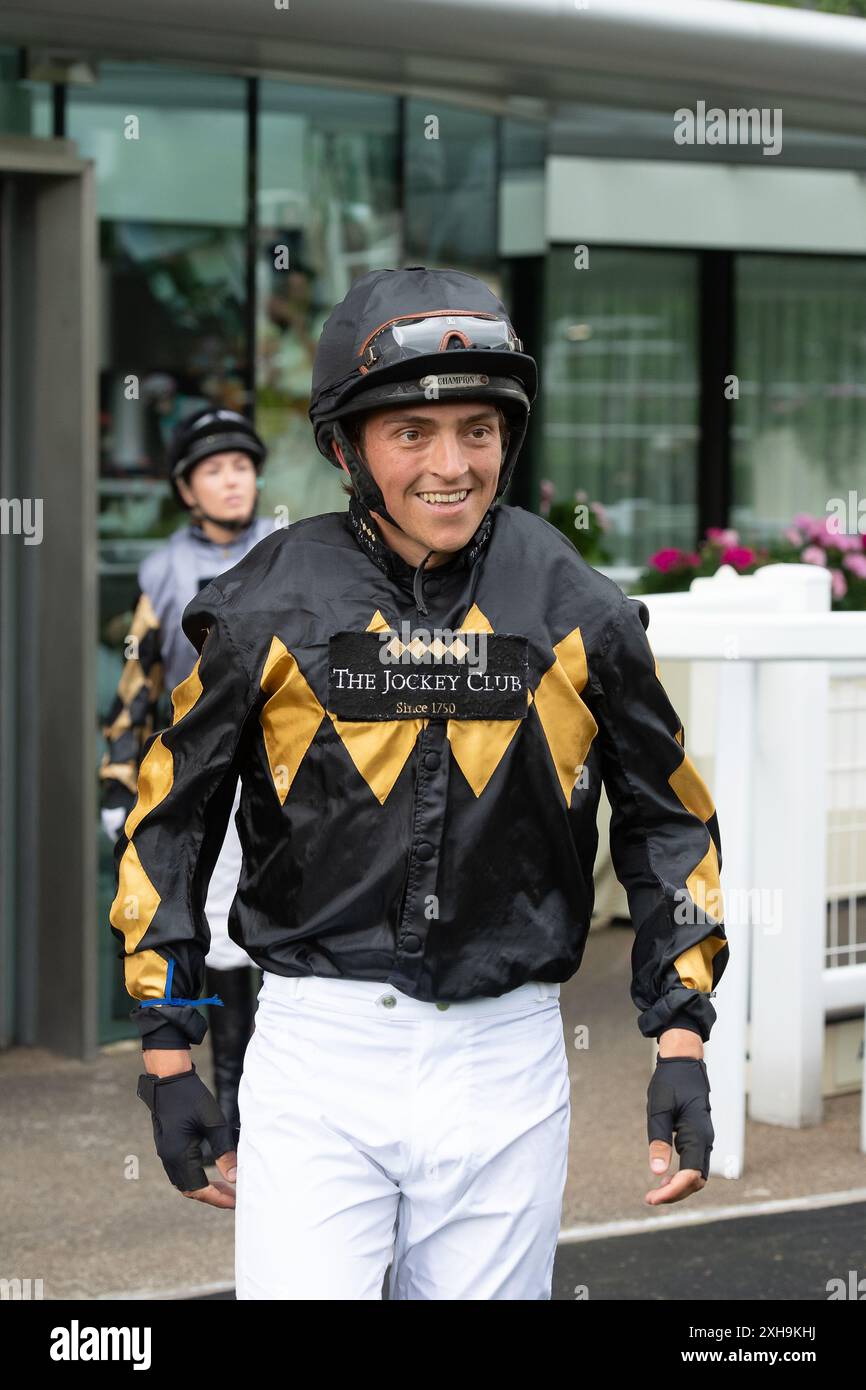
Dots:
(441, 844)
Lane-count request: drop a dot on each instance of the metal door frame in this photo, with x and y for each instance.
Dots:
(48, 439)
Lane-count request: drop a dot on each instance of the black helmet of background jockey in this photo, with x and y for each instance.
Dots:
(415, 335)
(208, 431)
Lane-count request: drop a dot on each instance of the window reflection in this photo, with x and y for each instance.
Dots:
(168, 148)
(799, 433)
(26, 106)
(451, 186)
(175, 320)
(621, 393)
(328, 212)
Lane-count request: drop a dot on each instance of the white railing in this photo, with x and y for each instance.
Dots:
(763, 648)
(846, 821)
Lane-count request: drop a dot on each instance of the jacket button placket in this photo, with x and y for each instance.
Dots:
(420, 905)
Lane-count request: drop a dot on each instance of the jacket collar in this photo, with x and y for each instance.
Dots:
(392, 564)
(398, 569)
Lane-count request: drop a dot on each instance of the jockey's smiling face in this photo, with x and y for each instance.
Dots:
(437, 467)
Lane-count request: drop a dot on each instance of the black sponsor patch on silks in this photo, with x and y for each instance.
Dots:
(487, 680)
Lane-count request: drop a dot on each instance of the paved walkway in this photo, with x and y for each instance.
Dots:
(87, 1207)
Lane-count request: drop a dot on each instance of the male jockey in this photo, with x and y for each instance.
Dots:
(422, 699)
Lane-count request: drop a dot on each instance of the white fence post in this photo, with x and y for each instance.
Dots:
(790, 868)
(733, 794)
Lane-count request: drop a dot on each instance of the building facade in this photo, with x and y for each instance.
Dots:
(185, 195)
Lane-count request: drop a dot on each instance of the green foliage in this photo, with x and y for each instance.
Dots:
(855, 8)
(582, 521)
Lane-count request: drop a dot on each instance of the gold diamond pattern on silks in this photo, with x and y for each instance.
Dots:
(379, 748)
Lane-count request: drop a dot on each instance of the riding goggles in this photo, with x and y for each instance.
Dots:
(419, 335)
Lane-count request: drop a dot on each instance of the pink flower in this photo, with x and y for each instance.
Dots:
(814, 528)
(548, 492)
(601, 515)
(793, 535)
(827, 531)
(856, 564)
(580, 495)
(839, 582)
(845, 541)
(813, 555)
(718, 535)
(738, 555)
(665, 560)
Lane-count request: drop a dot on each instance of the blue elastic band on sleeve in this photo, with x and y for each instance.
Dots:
(215, 999)
(167, 999)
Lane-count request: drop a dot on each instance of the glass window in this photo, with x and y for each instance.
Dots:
(451, 187)
(521, 191)
(328, 212)
(169, 152)
(524, 145)
(620, 393)
(26, 108)
(799, 435)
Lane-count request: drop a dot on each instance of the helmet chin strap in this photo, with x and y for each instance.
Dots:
(369, 493)
(230, 524)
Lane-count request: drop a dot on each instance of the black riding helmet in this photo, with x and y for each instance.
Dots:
(417, 335)
(211, 431)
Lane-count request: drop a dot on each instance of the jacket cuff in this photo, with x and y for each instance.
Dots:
(687, 1023)
(166, 1038)
(169, 1025)
(679, 1008)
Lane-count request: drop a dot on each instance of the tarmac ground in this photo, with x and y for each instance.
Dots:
(88, 1209)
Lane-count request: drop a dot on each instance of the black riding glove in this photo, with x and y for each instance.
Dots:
(183, 1111)
(678, 1099)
